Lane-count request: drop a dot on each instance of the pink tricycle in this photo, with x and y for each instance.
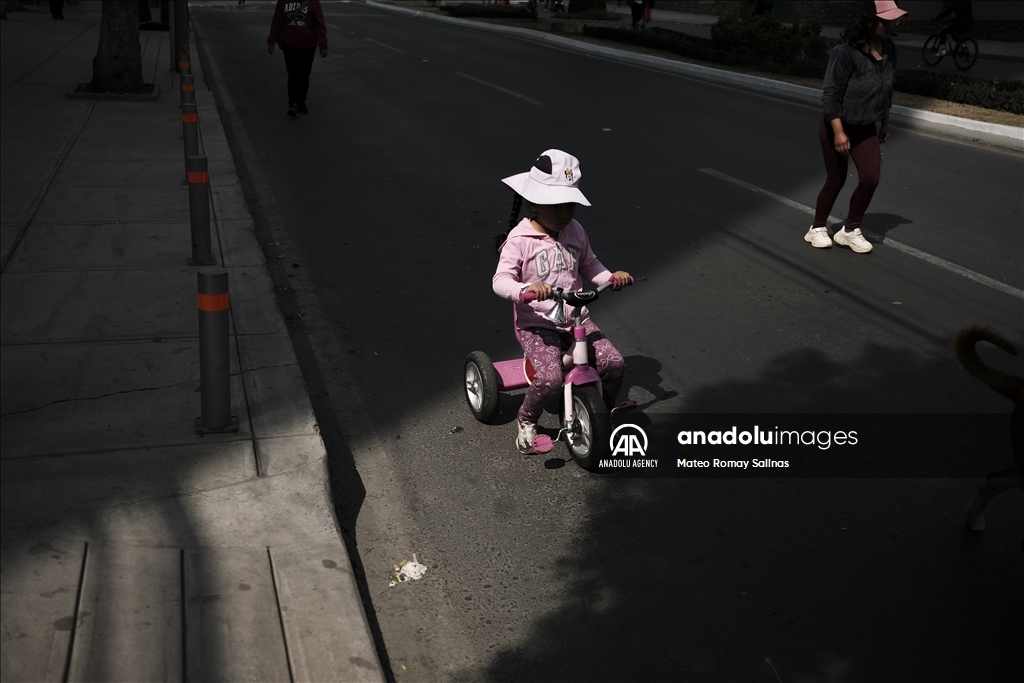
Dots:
(586, 420)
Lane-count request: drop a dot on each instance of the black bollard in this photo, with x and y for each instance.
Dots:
(171, 26)
(214, 353)
(199, 210)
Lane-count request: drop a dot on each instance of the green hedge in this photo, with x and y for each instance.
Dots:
(469, 9)
(765, 34)
(702, 49)
(963, 89)
(593, 15)
(808, 61)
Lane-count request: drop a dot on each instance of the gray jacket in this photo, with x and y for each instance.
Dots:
(857, 88)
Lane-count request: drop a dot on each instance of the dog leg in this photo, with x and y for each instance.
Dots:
(995, 483)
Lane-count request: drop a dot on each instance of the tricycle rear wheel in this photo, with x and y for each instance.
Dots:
(480, 382)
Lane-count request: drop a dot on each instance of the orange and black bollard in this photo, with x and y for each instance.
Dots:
(188, 89)
(181, 33)
(184, 63)
(190, 129)
(214, 353)
(199, 210)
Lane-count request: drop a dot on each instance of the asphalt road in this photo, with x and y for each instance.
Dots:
(377, 212)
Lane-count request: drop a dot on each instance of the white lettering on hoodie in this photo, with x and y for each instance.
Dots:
(554, 260)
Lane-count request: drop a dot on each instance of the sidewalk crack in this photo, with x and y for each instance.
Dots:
(270, 367)
(94, 398)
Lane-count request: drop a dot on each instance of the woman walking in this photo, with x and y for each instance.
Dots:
(298, 27)
(856, 98)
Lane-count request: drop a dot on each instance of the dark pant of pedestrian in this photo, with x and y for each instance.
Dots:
(299, 62)
(57, 9)
(957, 29)
(867, 155)
(637, 10)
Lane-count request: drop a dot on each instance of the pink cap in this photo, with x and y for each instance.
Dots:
(886, 10)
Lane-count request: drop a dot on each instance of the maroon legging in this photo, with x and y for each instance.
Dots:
(544, 349)
(867, 155)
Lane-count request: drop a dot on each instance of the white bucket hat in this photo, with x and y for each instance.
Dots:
(554, 179)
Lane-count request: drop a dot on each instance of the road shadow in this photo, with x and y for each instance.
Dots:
(644, 373)
(750, 579)
(882, 223)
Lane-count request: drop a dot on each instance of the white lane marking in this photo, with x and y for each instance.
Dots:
(330, 25)
(498, 87)
(888, 241)
(383, 45)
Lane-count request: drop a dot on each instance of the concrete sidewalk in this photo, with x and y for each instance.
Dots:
(132, 548)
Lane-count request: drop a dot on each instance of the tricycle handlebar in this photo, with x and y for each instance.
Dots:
(580, 298)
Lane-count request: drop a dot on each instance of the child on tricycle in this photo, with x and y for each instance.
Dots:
(543, 261)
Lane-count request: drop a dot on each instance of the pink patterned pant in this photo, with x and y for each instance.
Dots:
(544, 349)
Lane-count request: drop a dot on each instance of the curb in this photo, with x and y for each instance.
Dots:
(1011, 137)
(341, 646)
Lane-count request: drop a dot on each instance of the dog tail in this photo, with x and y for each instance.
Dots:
(1002, 383)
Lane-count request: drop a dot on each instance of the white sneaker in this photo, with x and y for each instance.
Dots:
(524, 439)
(818, 237)
(853, 239)
(941, 53)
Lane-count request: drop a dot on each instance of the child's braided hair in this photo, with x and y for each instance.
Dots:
(517, 206)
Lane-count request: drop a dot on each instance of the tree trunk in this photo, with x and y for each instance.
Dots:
(117, 66)
(576, 6)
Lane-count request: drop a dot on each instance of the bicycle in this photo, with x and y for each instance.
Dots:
(964, 54)
(586, 420)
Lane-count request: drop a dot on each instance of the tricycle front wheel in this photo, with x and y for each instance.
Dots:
(588, 442)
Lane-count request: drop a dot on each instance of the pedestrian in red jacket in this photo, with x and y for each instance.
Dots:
(298, 27)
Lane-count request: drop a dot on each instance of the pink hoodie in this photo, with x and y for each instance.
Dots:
(528, 256)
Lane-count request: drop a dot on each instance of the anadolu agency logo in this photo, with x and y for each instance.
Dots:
(628, 444)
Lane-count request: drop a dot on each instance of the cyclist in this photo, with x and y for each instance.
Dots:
(958, 28)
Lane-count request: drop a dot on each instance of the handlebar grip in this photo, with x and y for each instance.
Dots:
(612, 283)
(527, 296)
